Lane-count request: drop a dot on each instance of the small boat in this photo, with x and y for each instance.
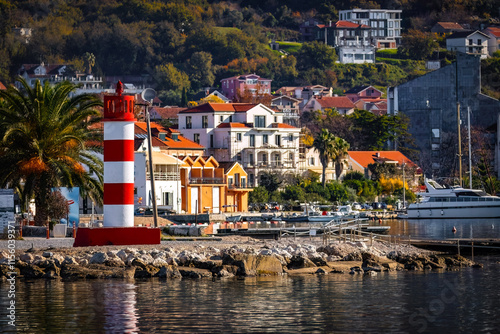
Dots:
(346, 211)
(444, 203)
(233, 219)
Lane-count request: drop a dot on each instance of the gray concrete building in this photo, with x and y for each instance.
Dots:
(430, 101)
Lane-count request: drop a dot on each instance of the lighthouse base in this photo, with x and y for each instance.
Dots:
(107, 236)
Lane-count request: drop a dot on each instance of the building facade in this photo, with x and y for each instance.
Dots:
(470, 42)
(252, 135)
(251, 83)
(430, 102)
(385, 25)
(351, 40)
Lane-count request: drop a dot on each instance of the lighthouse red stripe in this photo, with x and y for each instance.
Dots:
(118, 150)
(118, 193)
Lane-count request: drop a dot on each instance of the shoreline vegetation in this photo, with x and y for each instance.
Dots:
(231, 257)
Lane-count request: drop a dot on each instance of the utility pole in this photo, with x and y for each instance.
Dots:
(459, 146)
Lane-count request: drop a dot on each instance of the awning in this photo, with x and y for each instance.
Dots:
(160, 158)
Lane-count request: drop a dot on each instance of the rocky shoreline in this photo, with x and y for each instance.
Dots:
(231, 257)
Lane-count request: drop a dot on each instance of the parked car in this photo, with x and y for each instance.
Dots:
(376, 205)
(356, 206)
(366, 206)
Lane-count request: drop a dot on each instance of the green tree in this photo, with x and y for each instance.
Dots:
(200, 70)
(171, 78)
(316, 55)
(46, 141)
(270, 180)
(258, 195)
(340, 149)
(324, 144)
(90, 59)
(416, 44)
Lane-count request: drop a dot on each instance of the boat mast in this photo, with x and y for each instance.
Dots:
(470, 154)
(458, 126)
(404, 188)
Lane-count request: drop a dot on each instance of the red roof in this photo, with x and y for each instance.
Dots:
(232, 125)
(168, 112)
(212, 107)
(182, 142)
(450, 25)
(364, 158)
(2, 86)
(495, 31)
(348, 24)
(283, 126)
(335, 102)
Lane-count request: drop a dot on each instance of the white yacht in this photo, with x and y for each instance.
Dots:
(455, 202)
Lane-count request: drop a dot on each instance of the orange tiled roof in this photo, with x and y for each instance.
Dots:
(232, 125)
(181, 143)
(283, 126)
(335, 102)
(450, 25)
(364, 158)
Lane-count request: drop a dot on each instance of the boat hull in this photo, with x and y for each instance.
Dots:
(456, 211)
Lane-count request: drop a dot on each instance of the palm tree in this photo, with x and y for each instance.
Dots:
(324, 144)
(90, 58)
(341, 148)
(46, 141)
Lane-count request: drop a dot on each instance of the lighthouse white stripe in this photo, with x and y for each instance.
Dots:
(118, 215)
(118, 130)
(118, 172)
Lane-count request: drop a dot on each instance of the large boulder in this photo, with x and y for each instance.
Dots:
(252, 265)
(299, 262)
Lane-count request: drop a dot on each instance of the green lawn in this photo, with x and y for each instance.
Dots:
(290, 46)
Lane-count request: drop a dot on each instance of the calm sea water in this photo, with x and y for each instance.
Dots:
(465, 301)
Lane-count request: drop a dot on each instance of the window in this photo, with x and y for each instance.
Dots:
(277, 140)
(275, 119)
(211, 140)
(238, 157)
(252, 140)
(204, 122)
(221, 118)
(251, 159)
(238, 136)
(290, 137)
(196, 138)
(265, 139)
(243, 182)
(471, 42)
(260, 121)
(189, 122)
(478, 42)
(390, 24)
(311, 161)
(230, 180)
(290, 156)
(168, 198)
(230, 118)
(358, 57)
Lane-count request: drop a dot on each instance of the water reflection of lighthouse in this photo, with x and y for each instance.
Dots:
(120, 313)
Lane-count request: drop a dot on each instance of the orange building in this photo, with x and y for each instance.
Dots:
(210, 186)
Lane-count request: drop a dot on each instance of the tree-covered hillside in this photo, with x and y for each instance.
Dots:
(189, 44)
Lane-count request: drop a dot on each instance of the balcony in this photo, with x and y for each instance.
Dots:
(207, 180)
(164, 176)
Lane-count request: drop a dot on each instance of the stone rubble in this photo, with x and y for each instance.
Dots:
(228, 258)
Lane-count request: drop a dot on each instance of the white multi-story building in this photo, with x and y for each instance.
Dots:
(251, 134)
(385, 25)
(471, 42)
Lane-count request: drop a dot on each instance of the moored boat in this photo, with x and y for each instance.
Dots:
(455, 202)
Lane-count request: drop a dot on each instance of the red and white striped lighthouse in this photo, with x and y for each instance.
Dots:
(118, 124)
